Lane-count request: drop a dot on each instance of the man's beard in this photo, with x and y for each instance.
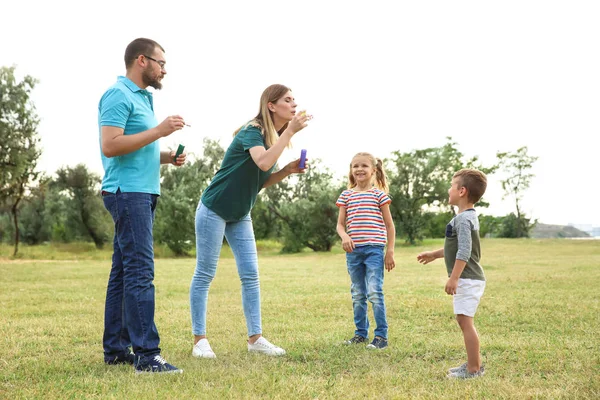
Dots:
(150, 80)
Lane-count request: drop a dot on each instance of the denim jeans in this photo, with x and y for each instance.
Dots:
(129, 309)
(210, 229)
(365, 266)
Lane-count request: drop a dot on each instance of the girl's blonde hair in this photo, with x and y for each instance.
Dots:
(380, 177)
(264, 118)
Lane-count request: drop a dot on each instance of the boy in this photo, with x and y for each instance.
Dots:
(461, 253)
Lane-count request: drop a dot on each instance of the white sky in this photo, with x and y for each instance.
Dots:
(378, 76)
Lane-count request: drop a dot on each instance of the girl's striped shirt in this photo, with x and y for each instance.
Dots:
(364, 220)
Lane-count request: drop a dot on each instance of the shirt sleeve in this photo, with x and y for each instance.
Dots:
(342, 201)
(463, 231)
(384, 199)
(251, 137)
(114, 108)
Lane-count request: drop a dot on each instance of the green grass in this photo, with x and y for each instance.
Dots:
(539, 322)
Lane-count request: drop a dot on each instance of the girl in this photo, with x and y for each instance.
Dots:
(364, 224)
(224, 210)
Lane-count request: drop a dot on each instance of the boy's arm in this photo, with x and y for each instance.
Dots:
(347, 243)
(390, 264)
(428, 256)
(463, 231)
(452, 284)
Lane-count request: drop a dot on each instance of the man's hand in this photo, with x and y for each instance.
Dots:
(180, 159)
(170, 125)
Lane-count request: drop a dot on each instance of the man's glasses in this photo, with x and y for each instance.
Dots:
(161, 64)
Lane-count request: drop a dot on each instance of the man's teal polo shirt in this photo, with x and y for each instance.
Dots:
(124, 105)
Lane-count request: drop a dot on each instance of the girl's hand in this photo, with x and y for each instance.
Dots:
(347, 244)
(390, 264)
(426, 257)
(299, 122)
(294, 167)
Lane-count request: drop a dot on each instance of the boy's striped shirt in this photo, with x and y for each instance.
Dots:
(364, 220)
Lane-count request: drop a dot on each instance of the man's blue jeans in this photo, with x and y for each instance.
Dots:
(365, 266)
(210, 229)
(129, 310)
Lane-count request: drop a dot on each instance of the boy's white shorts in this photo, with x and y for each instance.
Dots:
(467, 297)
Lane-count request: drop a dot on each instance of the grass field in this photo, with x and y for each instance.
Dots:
(539, 323)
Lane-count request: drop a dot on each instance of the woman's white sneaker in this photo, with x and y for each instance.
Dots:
(263, 346)
(202, 349)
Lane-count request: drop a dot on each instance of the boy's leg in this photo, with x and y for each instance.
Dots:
(471, 342)
(358, 289)
(466, 301)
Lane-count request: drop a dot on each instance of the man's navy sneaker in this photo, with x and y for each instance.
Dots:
(378, 343)
(156, 364)
(126, 357)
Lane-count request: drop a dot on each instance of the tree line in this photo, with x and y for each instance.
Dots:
(300, 212)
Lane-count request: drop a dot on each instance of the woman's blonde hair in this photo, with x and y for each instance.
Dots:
(380, 177)
(264, 118)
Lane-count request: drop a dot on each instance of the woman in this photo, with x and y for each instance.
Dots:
(225, 206)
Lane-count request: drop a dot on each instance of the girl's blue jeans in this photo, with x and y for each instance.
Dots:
(365, 266)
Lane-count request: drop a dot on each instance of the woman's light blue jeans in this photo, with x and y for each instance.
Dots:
(210, 229)
(365, 266)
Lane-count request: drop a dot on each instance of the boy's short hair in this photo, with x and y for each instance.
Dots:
(474, 181)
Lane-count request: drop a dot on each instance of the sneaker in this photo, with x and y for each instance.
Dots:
(262, 345)
(465, 374)
(156, 364)
(202, 349)
(127, 357)
(357, 339)
(378, 343)
(456, 369)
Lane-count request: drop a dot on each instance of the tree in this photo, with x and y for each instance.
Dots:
(516, 166)
(83, 189)
(181, 189)
(308, 210)
(19, 141)
(34, 226)
(419, 182)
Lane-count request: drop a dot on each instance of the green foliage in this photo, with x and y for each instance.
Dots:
(419, 181)
(514, 226)
(34, 229)
(489, 226)
(82, 190)
(309, 212)
(267, 225)
(6, 227)
(435, 223)
(181, 189)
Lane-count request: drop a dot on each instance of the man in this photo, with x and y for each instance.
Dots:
(131, 158)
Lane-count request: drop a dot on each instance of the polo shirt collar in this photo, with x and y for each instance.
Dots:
(132, 86)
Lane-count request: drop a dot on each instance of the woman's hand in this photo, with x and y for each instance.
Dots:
(299, 122)
(294, 167)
